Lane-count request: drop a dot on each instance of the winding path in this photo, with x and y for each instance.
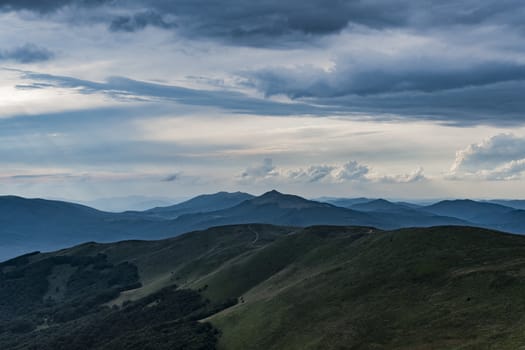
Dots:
(256, 235)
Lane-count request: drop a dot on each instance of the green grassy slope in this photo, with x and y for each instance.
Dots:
(186, 259)
(78, 295)
(322, 287)
(438, 288)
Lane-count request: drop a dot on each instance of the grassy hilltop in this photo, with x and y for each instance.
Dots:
(269, 287)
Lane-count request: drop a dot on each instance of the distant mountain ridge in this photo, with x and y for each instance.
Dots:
(466, 209)
(38, 224)
(278, 209)
(513, 203)
(127, 203)
(202, 203)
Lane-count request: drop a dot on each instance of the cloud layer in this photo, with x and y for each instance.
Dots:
(239, 20)
(460, 106)
(351, 171)
(149, 86)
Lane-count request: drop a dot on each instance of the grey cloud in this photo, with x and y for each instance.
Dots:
(467, 12)
(385, 77)
(453, 89)
(141, 20)
(500, 104)
(41, 176)
(28, 53)
(313, 173)
(451, 86)
(264, 170)
(242, 21)
(33, 86)
(258, 23)
(34, 5)
(351, 171)
(129, 89)
(46, 6)
(414, 176)
(171, 178)
(483, 93)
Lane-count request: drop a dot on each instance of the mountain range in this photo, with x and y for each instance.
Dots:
(42, 225)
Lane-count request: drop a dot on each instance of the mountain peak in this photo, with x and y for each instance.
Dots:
(285, 200)
(380, 201)
(272, 193)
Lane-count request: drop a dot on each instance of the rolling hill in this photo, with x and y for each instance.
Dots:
(468, 210)
(268, 287)
(482, 214)
(397, 215)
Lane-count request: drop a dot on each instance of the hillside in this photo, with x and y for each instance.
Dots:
(200, 204)
(320, 287)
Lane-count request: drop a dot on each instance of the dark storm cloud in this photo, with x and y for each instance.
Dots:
(382, 78)
(499, 104)
(258, 23)
(28, 53)
(46, 6)
(430, 13)
(239, 20)
(460, 91)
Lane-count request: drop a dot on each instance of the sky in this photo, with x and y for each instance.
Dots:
(173, 98)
